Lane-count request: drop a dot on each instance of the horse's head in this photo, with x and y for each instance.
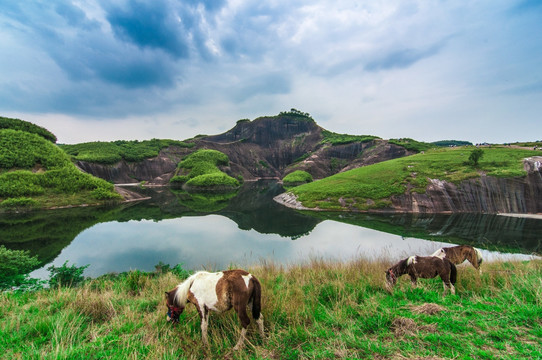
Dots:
(173, 311)
(391, 278)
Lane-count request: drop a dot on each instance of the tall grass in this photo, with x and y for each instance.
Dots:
(317, 310)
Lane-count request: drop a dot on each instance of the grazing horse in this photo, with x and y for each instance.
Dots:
(425, 267)
(458, 254)
(219, 292)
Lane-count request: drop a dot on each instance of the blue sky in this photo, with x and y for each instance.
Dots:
(93, 70)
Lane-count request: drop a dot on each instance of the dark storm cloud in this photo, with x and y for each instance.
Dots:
(150, 24)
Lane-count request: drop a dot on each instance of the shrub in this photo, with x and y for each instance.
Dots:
(14, 265)
(296, 177)
(66, 276)
(475, 156)
(214, 179)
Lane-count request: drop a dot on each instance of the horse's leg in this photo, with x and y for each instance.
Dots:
(414, 281)
(204, 314)
(260, 326)
(240, 306)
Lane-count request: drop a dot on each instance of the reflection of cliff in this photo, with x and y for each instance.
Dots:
(254, 208)
(492, 232)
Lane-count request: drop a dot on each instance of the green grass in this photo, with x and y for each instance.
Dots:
(115, 151)
(317, 310)
(371, 186)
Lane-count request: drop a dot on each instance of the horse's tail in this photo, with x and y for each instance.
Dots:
(453, 273)
(256, 298)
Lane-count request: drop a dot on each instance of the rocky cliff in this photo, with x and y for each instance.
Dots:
(267, 147)
(482, 195)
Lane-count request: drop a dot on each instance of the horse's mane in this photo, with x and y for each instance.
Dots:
(181, 294)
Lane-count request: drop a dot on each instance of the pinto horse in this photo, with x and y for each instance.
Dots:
(425, 267)
(219, 292)
(458, 254)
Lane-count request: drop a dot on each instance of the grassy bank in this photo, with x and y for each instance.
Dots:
(370, 187)
(316, 310)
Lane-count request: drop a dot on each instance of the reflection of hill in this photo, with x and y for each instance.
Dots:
(490, 232)
(46, 233)
(254, 208)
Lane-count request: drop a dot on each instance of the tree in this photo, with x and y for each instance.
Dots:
(475, 156)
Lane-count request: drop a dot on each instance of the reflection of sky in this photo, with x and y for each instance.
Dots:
(215, 242)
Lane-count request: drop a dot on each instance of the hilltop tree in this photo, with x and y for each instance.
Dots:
(475, 156)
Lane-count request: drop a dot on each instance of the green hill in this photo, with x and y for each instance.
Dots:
(16, 124)
(371, 187)
(34, 172)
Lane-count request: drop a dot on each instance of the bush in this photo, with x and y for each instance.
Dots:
(66, 276)
(14, 266)
(214, 179)
(475, 156)
(297, 177)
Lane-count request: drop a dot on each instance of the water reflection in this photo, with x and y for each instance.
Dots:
(244, 229)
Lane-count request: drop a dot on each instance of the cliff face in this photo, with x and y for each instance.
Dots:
(268, 147)
(483, 195)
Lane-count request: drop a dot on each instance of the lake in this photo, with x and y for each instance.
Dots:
(215, 231)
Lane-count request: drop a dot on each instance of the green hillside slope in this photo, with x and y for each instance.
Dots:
(370, 187)
(34, 172)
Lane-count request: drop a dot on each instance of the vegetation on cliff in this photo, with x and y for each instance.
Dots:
(341, 139)
(370, 187)
(318, 310)
(34, 172)
(115, 151)
(200, 170)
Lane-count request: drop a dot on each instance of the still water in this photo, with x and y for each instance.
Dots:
(247, 228)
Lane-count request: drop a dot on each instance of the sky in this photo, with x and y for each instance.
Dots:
(103, 70)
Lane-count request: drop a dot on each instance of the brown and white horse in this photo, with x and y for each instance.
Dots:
(425, 267)
(219, 292)
(458, 254)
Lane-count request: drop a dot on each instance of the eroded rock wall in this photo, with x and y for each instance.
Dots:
(482, 195)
